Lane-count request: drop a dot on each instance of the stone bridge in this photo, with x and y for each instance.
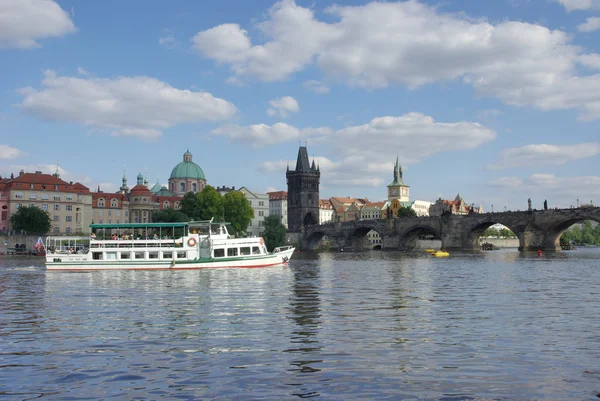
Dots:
(537, 229)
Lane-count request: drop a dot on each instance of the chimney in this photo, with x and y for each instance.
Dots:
(71, 182)
(21, 172)
(38, 173)
(233, 188)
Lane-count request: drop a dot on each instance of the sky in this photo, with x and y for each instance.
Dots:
(496, 100)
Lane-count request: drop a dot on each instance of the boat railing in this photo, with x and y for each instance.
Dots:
(282, 248)
(137, 243)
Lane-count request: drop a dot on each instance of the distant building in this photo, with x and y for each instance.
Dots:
(223, 190)
(326, 212)
(186, 177)
(278, 206)
(398, 189)
(347, 209)
(372, 211)
(260, 204)
(456, 206)
(303, 193)
(69, 204)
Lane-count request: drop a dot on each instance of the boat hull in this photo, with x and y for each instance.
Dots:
(78, 263)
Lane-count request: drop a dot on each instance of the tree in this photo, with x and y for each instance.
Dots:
(210, 203)
(169, 215)
(274, 234)
(406, 211)
(237, 211)
(506, 233)
(31, 219)
(491, 232)
(190, 206)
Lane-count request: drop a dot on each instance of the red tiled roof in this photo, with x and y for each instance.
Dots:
(140, 189)
(277, 195)
(43, 182)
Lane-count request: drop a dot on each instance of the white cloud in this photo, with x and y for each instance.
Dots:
(23, 22)
(590, 60)
(7, 152)
(125, 106)
(262, 134)
(506, 182)
(411, 44)
(590, 25)
(413, 135)
(283, 107)
(316, 86)
(572, 5)
(545, 154)
(362, 148)
(167, 39)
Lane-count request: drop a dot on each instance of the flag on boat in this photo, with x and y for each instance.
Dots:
(39, 244)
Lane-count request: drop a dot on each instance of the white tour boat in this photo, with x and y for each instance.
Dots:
(193, 245)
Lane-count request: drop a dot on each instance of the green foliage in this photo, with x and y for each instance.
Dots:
(169, 215)
(406, 211)
(274, 233)
(190, 206)
(237, 211)
(31, 219)
(211, 204)
(583, 234)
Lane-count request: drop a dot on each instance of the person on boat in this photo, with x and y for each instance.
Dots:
(93, 235)
(155, 236)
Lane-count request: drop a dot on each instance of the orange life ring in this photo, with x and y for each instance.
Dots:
(192, 242)
(262, 241)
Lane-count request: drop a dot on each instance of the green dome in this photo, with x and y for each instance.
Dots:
(188, 169)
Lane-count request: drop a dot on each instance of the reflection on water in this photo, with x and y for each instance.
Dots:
(374, 325)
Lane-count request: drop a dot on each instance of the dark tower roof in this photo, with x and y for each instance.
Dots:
(302, 164)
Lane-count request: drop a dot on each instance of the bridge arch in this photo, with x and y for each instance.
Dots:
(471, 240)
(553, 233)
(357, 237)
(408, 239)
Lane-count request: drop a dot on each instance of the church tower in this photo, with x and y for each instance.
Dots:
(303, 193)
(398, 189)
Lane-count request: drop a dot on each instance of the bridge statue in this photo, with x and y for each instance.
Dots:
(536, 230)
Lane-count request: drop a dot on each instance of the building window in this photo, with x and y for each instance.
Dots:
(68, 219)
(113, 203)
(56, 218)
(118, 213)
(45, 196)
(194, 187)
(182, 187)
(56, 197)
(110, 212)
(261, 213)
(261, 203)
(69, 197)
(69, 208)
(56, 208)
(68, 230)
(100, 202)
(45, 206)
(56, 230)
(18, 195)
(100, 212)
(32, 196)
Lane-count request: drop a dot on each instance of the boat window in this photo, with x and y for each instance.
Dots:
(255, 250)
(139, 255)
(125, 255)
(111, 256)
(152, 255)
(181, 255)
(232, 252)
(97, 255)
(245, 250)
(219, 253)
(167, 255)
(203, 230)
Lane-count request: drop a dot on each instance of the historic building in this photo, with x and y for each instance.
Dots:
(186, 177)
(260, 204)
(68, 204)
(456, 206)
(326, 214)
(303, 193)
(278, 206)
(398, 189)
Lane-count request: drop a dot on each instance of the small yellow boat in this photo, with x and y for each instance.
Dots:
(430, 250)
(440, 254)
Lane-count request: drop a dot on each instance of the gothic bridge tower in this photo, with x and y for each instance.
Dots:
(303, 193)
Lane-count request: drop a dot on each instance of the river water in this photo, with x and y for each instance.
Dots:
(332, 326)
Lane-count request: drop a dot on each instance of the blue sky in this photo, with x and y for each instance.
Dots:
(498, 100)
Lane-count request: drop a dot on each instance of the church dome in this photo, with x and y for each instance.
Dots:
(187, 169)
